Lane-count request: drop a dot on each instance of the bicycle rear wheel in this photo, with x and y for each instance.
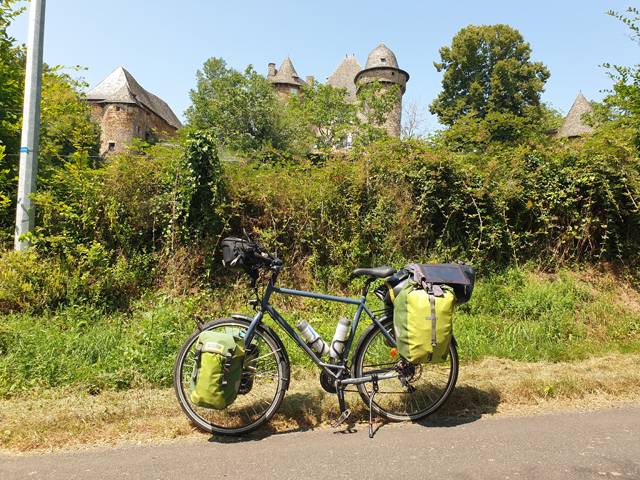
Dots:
(417, 393)
(261, 390)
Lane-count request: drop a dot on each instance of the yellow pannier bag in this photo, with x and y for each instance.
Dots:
(423, 322)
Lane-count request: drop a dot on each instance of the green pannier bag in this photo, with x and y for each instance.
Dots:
(218, 370)
(423, 322)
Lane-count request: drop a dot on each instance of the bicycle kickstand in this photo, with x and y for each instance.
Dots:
(374, 390)
(344, 411)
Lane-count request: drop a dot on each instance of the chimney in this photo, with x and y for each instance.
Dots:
(271, 70)
(310, 79)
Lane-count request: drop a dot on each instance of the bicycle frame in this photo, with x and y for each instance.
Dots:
(337, 369)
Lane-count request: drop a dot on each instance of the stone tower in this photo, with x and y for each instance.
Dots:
(126, 111)
(382, 66)
(285, 80)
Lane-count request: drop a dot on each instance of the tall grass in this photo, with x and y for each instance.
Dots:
(517, 314)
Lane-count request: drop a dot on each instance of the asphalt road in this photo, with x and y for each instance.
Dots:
(603, 444)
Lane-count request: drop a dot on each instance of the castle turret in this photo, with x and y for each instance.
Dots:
(574, 125)
(382, 66)
(285, 80)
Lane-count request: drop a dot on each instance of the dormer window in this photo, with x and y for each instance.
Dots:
(383, 60)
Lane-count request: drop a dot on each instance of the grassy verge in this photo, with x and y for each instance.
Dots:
(519, 315)
(65, 418)
(528, 341)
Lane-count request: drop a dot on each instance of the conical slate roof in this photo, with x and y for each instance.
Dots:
(381, 56)
(574, 124)
(344, 76)
(287, 74)
(121, 87)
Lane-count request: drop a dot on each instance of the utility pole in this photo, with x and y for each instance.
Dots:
(30, 124)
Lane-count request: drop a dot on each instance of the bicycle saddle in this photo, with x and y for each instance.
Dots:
(376, 272)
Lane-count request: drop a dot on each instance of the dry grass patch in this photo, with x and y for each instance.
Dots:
(65, 418)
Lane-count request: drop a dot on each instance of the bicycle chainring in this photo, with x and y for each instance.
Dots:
(327, 382)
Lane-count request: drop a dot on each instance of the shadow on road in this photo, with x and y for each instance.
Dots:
(465, 405)
(306, 411)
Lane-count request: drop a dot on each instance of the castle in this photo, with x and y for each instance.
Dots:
(126, 111)
(382, 66)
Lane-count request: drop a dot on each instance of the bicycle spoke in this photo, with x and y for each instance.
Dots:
(418, 389)
(261, 377)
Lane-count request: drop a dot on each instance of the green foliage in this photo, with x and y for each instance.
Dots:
(321, 117)
(406, 200)
(68, 138)
(11, 79)
(32, 283)
(67, 131)
(523, 315)
(474, 134)
(487, 69)
(490, 85)
(623, 102)
(85, 347)
(102, 230)
(199, 187)
(375, 102)
(147, 201)
(12, 61)
(518, 314)
(239, 108)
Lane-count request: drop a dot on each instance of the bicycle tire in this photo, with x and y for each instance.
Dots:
(366, 340)
(182, 371)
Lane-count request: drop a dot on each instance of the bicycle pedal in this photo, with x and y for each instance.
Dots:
(341, 419)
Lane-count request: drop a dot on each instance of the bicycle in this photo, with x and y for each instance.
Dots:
(389, 385)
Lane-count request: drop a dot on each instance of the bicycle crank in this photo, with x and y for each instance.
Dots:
(328, 382)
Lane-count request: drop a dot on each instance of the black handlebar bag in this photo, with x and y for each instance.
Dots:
(233, 250)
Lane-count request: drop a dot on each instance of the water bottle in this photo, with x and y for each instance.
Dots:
(312, 338)
(337, 344)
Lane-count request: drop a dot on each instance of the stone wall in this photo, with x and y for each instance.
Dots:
(387, 79)
(122, 122)
(284, 91)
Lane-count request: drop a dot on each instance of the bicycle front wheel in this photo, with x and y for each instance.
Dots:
(419, 390)
(261, 390)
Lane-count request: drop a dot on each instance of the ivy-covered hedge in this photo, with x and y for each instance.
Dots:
(553, 205)
(155, 217)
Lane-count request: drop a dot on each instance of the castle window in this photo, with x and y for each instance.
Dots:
(111, 147)
(383, 60)
(117, 109)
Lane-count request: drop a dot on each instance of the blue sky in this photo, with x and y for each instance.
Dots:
(162, 43)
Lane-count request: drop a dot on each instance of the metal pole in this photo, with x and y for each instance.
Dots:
(30, 124)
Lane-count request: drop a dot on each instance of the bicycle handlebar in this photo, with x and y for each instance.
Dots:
(258, 257)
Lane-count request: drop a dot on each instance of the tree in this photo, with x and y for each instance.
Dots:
(622, 104)
(239, 108)
(487, 70)
(413, 119)
(321, 117)
(67, 131)
(12, 62)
